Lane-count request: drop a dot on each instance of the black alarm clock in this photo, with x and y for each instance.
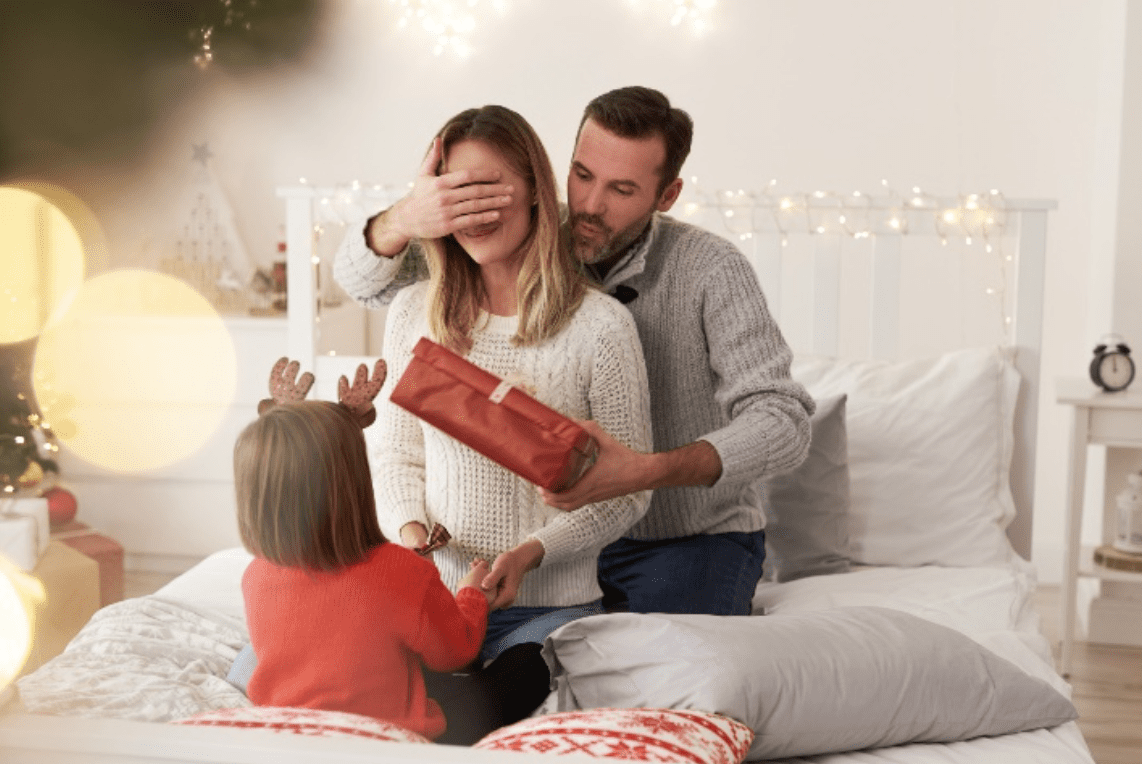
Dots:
(1112, 369)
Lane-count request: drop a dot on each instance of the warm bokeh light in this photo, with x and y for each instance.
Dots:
(137, 373)
(19, 594)
(41, 261)
(78, 213)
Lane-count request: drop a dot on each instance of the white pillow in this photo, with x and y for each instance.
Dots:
(807, 509)
(930, 444)
(833, 680)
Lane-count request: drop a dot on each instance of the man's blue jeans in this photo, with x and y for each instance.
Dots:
(714, 574)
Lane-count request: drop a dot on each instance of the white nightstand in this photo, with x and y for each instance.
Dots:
(1099, 418)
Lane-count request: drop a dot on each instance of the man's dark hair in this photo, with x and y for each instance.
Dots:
(638, 112)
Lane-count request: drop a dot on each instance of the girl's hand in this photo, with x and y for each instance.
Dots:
(476, 572)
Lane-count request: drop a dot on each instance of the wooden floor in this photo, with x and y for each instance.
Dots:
(137, 583)
(1107, 682)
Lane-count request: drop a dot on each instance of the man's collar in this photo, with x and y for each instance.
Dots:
(633, 259)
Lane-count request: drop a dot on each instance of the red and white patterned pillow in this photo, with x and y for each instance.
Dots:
(634, 734)
(305, 721)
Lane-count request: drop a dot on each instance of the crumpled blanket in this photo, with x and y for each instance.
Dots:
(142, 659)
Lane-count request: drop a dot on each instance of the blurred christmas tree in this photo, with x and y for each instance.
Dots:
(27, 445)
(85, 84)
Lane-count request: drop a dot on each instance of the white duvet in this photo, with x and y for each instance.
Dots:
(165, 656)
(143, 659)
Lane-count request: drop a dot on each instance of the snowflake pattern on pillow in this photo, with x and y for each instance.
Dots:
(311, 722)
(631, 734)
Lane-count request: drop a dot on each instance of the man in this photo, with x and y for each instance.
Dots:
(725, 413)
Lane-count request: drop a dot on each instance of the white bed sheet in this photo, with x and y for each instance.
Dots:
(214, 583)
(967, 599)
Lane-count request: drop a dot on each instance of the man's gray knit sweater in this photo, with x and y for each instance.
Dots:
(717, 364)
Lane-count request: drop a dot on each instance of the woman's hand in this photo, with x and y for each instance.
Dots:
(508, 570)
(477, 570)
(413, 535)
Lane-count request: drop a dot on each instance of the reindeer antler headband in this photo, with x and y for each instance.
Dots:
(287, 387)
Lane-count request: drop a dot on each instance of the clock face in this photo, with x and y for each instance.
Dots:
(1116, 371)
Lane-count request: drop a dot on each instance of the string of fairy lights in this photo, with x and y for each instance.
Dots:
(338, 206)
(975, 219)
(858, 214)
(451, 25)
(748, 216)
(697, 15)
(235, 16)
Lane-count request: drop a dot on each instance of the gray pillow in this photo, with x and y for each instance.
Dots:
(841, 679)
(806, 510)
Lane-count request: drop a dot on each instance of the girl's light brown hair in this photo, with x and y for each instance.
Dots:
(551, 285)
(304, 488)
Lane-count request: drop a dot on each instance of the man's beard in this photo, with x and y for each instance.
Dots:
(590, 253)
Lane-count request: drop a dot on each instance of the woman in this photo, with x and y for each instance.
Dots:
(510, 297)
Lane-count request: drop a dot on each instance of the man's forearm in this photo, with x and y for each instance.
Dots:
(382, 235)
(695, 464)
(621, 471)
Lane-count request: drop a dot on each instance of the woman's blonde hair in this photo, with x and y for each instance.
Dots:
(551, 283)
(304, 488)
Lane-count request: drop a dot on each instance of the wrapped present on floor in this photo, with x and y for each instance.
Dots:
(24, 530)
(70, 583)
(103, 549)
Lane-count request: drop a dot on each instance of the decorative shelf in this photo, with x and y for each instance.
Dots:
(1090, 569)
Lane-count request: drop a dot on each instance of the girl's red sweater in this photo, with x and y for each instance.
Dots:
(354, 640)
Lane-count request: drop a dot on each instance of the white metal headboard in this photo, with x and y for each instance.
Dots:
(764, 224)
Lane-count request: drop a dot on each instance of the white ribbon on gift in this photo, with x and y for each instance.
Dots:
(25, 530)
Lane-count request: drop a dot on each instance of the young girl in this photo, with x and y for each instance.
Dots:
(339, 618)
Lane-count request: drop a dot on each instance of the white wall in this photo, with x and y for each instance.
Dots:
(954, 96)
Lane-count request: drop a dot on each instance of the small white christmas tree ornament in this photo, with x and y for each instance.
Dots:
(207, 252)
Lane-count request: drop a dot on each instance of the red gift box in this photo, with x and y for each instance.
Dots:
(490, 416)
(106, 551)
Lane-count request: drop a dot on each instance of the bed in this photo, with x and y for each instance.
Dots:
(895, 622)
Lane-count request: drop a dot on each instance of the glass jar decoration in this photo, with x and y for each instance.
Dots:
(1128, 532)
